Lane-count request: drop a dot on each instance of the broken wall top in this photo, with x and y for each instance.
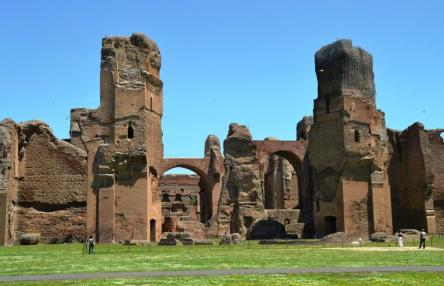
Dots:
(340, 66)
(132, 60)
(239, 142)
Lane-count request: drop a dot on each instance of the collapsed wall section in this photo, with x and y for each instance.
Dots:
(51, 198)
(46, 184)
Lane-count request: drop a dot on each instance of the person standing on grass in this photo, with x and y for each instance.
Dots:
(422, 238)
(400, 239)
(91, 245)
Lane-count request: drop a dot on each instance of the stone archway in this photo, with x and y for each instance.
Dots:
(291, 151)
(200, 167)
(291, 203)
(202, 203)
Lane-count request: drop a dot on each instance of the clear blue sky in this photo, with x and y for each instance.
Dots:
(250, 62)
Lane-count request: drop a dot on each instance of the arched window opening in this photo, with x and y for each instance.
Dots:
(152, 230)
(130, 132)
(357, 136)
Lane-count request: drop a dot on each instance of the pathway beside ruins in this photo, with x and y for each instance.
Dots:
(258, 271)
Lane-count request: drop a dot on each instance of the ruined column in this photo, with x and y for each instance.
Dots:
(241, 202)
(215, 172)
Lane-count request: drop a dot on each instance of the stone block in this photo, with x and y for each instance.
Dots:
(168, 242)
(29, 238)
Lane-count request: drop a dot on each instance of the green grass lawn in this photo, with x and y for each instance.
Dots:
(68, 258)
(429, 279)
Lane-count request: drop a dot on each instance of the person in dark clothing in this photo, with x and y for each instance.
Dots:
(422, 239)
(91, 245)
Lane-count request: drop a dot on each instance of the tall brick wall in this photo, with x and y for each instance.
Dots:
(51, 198)
(417, 178)
(8, 184)
(406, 175)
(438, 184)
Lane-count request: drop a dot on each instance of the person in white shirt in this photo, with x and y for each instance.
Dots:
(400, 239)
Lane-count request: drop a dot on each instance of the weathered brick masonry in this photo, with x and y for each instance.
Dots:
(345, 171)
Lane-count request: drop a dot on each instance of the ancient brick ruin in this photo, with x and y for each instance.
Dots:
(348, 145)
(43, 183)
(345, 171)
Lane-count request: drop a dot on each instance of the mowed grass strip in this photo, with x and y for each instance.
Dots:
(429, 279)
(55, 259)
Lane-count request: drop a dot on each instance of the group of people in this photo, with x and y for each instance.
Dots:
(422, 239)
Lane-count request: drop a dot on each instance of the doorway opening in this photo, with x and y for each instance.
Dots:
(153, 230)
(330, 224)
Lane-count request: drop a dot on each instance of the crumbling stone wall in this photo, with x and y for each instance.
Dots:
(241, 202)
(303, 128)
(281, 185)
(417, 178)
(215, 173)
(50, 186)
(289, 218)
(8, 184)
(348, 146)
(435, 166)
(45, 186)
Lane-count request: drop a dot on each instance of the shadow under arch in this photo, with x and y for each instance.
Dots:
(267, 229)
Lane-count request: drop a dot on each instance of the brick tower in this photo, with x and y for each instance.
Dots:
(123, 138)
(348, 146)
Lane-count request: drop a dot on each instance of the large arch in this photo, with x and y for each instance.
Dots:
(298, 212)
(206, 184)
(199, 166)
(293, 151)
